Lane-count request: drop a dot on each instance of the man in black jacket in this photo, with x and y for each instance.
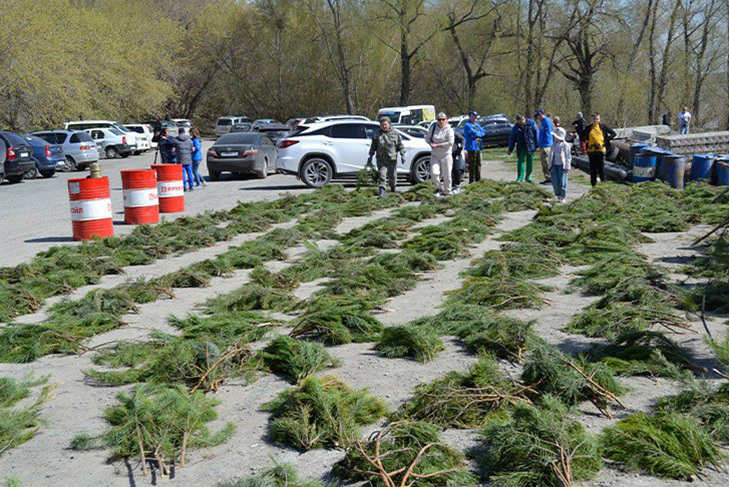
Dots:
(598, 137)
(458, 163)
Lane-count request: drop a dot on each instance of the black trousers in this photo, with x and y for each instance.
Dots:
(456, 173)
(474, 166)
(597, 166)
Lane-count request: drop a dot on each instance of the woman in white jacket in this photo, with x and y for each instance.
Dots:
(560, 162)
(441, 138)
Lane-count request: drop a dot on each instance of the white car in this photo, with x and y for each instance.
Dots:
(183, 123)
(145, 131)
(339, 150)
(93, 124)
(111, 142)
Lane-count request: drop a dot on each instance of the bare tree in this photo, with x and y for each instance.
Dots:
(659, 74)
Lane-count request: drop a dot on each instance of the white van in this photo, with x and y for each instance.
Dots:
(224, 124)
(132, 139)
(411, 115)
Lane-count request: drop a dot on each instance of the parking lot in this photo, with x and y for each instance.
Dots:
(34, 214)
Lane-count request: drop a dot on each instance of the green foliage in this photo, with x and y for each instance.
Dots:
(572, 380)
(665, 445)
(245, 326)
(645, 352)
(406, 453)
(611, 272)
(463, 400)
(296, 359)
(322, 413)
(160, 423)
(539, 445)
(337, 320)
(18, 424)
(520, 260)
(708, 405)
(483, 330)
(13, 481)
(198, 363)
(501, 294)
(421, 343)
(279, 475)
(251, 297)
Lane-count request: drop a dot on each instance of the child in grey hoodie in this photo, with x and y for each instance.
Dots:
(560, 163)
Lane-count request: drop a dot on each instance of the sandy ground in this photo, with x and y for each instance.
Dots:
(78, 406)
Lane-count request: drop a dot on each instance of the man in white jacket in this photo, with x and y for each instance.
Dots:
(440, 137)
(560, 162)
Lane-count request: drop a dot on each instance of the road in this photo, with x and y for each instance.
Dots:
(35, 215)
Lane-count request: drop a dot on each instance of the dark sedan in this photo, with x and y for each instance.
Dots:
(497, 133)
(18, 157)
(49, 158)
(274, 131)
(242, 153)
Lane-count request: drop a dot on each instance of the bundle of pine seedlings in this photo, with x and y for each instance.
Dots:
(419, 343)
(158, 424)
(538, 445)
(296, 359)
(405, 453)
(705, 402)
(322, 412)
(19, 423)
(465, 400)
(279, 475)
(199, 363)
(664, 445)
(572, 380)
(336, 320)
(482, 330)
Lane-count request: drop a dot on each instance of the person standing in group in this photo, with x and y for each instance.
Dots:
(579, 126)
(523, 138)
(684, 120)
(166, 147)
(440, 138)
(666, 119)
(386, 144)
(197, 157)
(556, 121)
(473, 131)
(544, 142)
(560, 162)
(598, 137)
(183, 148)
(459, 165)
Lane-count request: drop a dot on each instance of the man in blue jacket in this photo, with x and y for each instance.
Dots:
(544, 142)
(524, 138)
(473, 133)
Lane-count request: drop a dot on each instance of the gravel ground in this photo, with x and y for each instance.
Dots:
(78, 406)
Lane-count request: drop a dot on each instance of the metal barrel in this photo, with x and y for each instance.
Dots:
(672, 170)
(644, 167)
(702, 166)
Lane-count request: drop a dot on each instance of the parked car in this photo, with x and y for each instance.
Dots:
(412, 130)
(263, 121)
(142, 143)
(155, 125)
(274, 132)
(224, 124)
(92, 124)
(111, 142)
(494, 118)
(145, 130)
(294, 122)
(183, 123)
(48, 158)
(78, 147)
(410, 115)
(328, 118)
(241, 127)
(339, 150)
(18, 156)
(497, 133)
(243, 152)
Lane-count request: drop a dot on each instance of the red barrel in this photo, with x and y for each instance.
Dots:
(141, 203)
(170, 189)
(90, 208)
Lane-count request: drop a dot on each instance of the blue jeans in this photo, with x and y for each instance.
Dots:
(559, 181)
(187, 179)
(197, 178)
(684, 130)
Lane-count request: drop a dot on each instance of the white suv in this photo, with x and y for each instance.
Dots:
(339, 150)
(108, 124)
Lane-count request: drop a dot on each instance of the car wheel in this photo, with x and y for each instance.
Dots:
(32, 174)
(263, 174)
(214, 175)
(316, 172)
(420, 172)
(125, 155)
(16, 179)
(111, 153)
(48, 174)
(70, 164)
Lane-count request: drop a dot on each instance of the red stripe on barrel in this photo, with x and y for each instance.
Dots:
(141, 202)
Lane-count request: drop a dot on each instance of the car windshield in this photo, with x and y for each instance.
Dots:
(225, 121)
(277, 133)
(238, 138)
(53, 138)
(120, 128)
(84, 137)
(35, 140)
(393, 116)
(241, 127)
(115, 132)
(139, 130)
(15, 139)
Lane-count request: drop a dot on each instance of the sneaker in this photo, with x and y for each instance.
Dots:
(519, 180)
(457, 191)
(438, 195)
